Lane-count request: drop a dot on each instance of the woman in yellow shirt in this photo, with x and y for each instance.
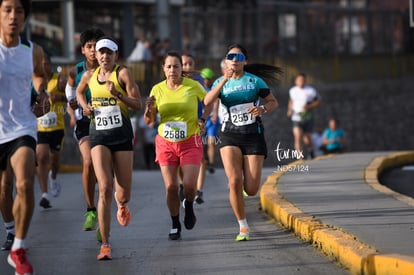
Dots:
(178, 143)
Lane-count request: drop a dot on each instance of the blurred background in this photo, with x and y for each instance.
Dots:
(358, 54)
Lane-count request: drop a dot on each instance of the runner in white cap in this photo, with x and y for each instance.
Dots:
(106, 43)
(113, 92)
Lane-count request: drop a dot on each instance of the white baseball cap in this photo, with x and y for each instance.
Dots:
(106, 43)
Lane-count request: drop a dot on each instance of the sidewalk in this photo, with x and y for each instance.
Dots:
(337, 204)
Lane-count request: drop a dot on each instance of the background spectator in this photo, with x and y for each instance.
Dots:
(333, 137)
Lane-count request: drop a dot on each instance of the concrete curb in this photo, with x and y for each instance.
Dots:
(65, 168)
(380, 164)
(342, 247)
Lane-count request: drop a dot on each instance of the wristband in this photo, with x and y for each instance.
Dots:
(119, 95)
(202, 119)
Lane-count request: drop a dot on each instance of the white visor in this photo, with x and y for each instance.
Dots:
(106, 43)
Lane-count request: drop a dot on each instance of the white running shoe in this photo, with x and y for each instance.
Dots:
(54, 186)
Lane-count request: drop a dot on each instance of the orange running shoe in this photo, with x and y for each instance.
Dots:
(123, 215)
(105, 253)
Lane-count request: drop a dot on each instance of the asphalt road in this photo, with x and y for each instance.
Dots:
(399, 179)
(57, 244)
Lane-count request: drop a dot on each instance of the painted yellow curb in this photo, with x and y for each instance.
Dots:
(390, 264)
(344, 248)
(379, 164)
(64, 168)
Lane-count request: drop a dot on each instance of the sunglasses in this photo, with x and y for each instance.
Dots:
(235, 57)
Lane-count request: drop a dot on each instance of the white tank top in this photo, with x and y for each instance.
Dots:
(16, 117)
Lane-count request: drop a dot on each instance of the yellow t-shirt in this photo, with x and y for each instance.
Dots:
(110, 123)
(178, 109)
(55, 118)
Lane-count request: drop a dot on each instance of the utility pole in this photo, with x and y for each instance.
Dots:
(68, 30)
(163, 16)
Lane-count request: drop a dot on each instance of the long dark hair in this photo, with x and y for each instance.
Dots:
(269, 73)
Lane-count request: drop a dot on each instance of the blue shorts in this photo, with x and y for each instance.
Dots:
(211, 128)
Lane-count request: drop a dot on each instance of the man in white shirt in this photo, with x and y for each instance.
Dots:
(20, 63)
(303, 99)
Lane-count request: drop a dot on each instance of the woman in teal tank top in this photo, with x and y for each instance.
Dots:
(242, 145)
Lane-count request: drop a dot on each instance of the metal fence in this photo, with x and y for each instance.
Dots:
(329, 42)
(287, 29)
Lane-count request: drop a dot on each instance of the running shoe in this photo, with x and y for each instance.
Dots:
(189, 218)
(90, 221)
(9, 242)
(184, 200)
(243, 235)
(105, 253)
(45, 203)
(54, 185)
(17, 259)
(123, 214)
(175, 234)
(199, 197)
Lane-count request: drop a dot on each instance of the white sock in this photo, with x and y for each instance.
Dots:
(10, 227)
(18, 243)
(243, 224)
(45, 195)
